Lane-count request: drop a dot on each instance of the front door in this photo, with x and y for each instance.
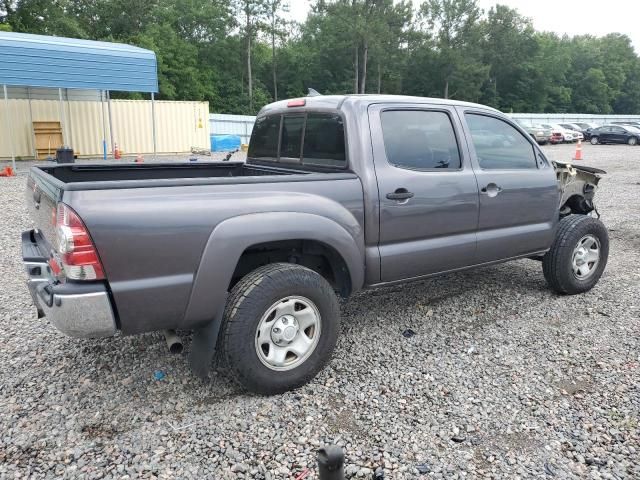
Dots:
(518, 189)
(428, 196)
(618, 135)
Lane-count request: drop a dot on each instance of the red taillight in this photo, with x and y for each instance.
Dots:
(299, 102)
(78, 254)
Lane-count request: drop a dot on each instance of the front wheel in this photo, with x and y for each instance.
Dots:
(280, 327)
(578, 255)
(632, 141)
(594, 141)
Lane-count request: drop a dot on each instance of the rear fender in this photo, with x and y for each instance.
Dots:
(232, 237)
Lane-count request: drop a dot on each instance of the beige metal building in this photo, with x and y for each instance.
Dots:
(84, 121)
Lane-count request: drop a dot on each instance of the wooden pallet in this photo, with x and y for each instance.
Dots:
(48, 138)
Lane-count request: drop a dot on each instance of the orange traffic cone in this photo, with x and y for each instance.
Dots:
(139, 159)
(578, 155)
(116, 152)
(7, 172)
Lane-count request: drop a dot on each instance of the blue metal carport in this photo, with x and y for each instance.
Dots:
(40, 61)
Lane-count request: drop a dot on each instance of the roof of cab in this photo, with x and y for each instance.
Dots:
(337, 101)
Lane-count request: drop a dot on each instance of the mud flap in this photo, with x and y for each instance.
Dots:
(203, 346)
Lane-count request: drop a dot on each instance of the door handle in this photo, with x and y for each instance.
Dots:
(400, 194)
(491, 190)
(37, 196)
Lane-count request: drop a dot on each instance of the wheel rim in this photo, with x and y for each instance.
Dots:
(632, 141)
(594, 141)
(288, 333)
(586, 257)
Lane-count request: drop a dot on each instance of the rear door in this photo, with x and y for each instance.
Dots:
(428, 195)
(518, 190)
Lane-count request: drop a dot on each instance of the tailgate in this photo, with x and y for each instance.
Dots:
(43, 194)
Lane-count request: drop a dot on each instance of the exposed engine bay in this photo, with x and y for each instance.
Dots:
(578, 185)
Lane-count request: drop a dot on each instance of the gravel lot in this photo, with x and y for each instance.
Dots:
(502, 379)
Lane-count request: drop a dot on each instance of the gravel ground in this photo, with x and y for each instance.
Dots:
(502, 379)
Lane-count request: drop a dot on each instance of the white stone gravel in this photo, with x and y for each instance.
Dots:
(503, 379)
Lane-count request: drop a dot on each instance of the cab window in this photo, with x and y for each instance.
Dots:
(498, 145)
(264, 138)
(420, 139)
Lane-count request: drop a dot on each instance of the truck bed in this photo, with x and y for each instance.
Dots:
(112, 172)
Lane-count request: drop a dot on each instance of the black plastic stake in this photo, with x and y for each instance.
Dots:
(331, 463)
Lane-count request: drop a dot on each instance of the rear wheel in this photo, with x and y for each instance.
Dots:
(632, 141)
(578, 255)
(280, 328)
(594, 141)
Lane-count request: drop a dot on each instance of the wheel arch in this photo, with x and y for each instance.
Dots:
(230, 241)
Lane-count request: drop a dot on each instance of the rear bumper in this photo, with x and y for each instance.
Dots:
(76, 309)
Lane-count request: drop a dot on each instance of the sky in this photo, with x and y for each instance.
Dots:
(573, 17)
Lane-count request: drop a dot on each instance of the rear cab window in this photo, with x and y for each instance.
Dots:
(314, 139)
(264, 138)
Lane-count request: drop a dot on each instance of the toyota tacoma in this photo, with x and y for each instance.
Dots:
(338, 194)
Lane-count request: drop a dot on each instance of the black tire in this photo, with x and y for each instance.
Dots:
(248, 302)
(557, 264)
(594, 141)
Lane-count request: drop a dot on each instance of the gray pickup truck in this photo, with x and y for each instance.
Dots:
(338, 193)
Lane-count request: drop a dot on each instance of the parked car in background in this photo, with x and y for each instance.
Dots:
(538, 132)
(590, 128)
(575, 128)
(556, 137)
(615, 134)
(584, 126)
(567, 135)
(631, 123)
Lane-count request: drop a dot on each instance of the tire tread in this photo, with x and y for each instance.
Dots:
(239, 303)
(554, 261)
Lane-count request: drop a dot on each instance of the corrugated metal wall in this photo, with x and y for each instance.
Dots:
(536, 118)
(180, 125)
(241, 125)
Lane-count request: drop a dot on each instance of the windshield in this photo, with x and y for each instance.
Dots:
(632, 129)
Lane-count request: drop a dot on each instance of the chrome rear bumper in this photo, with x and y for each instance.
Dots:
(76, 309)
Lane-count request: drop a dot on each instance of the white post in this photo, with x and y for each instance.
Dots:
(104, 128)
(68, 107)
(153, 123)
(113, 145)
(33, 133)
(62, 116)
(6, 105)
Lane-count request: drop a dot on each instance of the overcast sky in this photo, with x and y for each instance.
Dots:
(574, 17)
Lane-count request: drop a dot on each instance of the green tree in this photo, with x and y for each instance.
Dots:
(455, 25)
(510, 49)
(277, 31)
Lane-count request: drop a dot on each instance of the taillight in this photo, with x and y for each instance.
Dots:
(78, 254)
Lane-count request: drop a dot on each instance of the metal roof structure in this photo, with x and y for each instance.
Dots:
(57, 62)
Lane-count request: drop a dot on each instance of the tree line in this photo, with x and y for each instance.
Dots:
(241, 54)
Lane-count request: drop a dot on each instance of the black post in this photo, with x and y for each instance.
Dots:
(331, 463)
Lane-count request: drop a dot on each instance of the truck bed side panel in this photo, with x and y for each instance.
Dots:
(151, 240)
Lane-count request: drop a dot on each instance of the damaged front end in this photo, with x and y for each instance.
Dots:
(578, 185)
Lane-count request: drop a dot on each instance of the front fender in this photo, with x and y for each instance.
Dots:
(232, 237)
